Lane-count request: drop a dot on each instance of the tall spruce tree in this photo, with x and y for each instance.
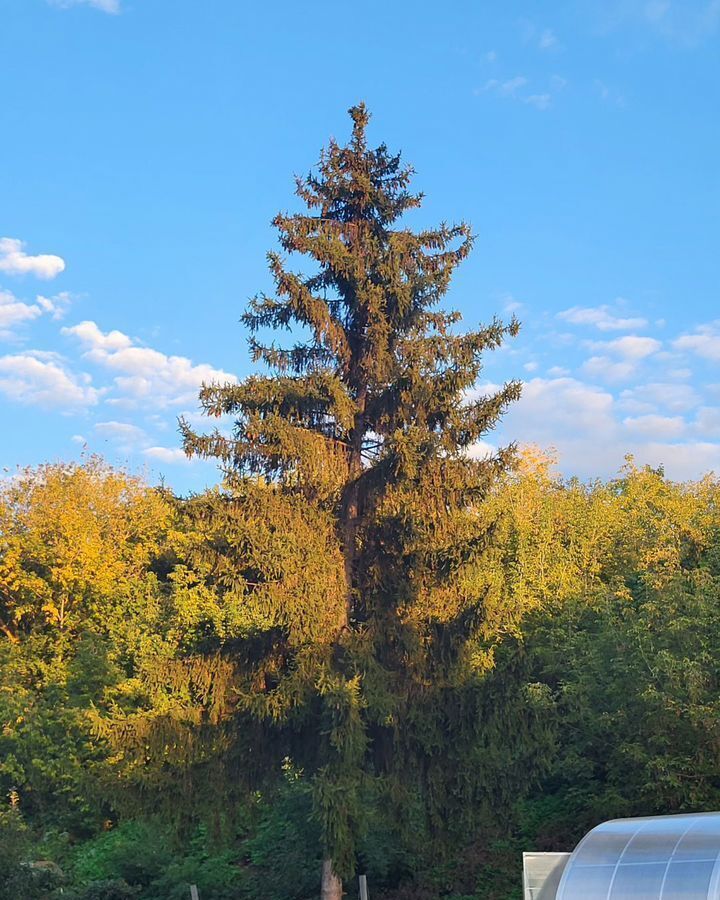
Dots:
(349, 536)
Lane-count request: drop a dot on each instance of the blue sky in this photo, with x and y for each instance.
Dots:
(147, 144)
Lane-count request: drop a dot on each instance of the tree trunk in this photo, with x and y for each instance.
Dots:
(351, 506)
(331, 885)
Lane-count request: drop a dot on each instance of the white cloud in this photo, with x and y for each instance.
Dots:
(57, 305)
(628, 403)
(663, 395)
(707, 422)
(576, 418)
(108, 6)
(126, 436)
(482, 450)
(40, 379)
(551, 406)
(631, 347)
(15, 261)
(144, 374)
(607, 369)
(600, 317)
(705, 342)
(681, 461)
(99, 342)
(120, 430)
(592, 430)
(656, 427)
(512, 305)
(13, 312)
(172, 455)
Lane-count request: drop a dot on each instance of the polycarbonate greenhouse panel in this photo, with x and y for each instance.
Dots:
(541, 874)
(655, 858)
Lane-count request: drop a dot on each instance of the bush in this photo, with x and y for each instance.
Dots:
(18, 878)
(109, 889)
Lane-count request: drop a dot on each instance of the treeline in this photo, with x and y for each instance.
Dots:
(594, 689)
(371, 649)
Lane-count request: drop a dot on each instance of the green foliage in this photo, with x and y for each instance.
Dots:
(135, 852)
(46, 753)
(284, 831)
(111, 889)
(149, 857)
(18, 877)
(636, 682)
(145, 857)
(14, 841)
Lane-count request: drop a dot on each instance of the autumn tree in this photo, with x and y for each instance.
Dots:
(615, 588)
(76, 543)
(346, 542)
(79, 603)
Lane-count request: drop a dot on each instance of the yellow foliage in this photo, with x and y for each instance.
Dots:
(74, 540)
(562, 539)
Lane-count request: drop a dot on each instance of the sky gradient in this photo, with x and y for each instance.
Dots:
(148, 144)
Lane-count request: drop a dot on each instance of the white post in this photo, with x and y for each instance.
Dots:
(363, 887)
(193, 892)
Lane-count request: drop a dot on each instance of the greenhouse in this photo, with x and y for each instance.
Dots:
(654, 858)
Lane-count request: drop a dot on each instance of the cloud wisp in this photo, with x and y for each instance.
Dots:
(541, 37)
(600, 317)
(512, 89)
(15, 312)
(112, 7)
